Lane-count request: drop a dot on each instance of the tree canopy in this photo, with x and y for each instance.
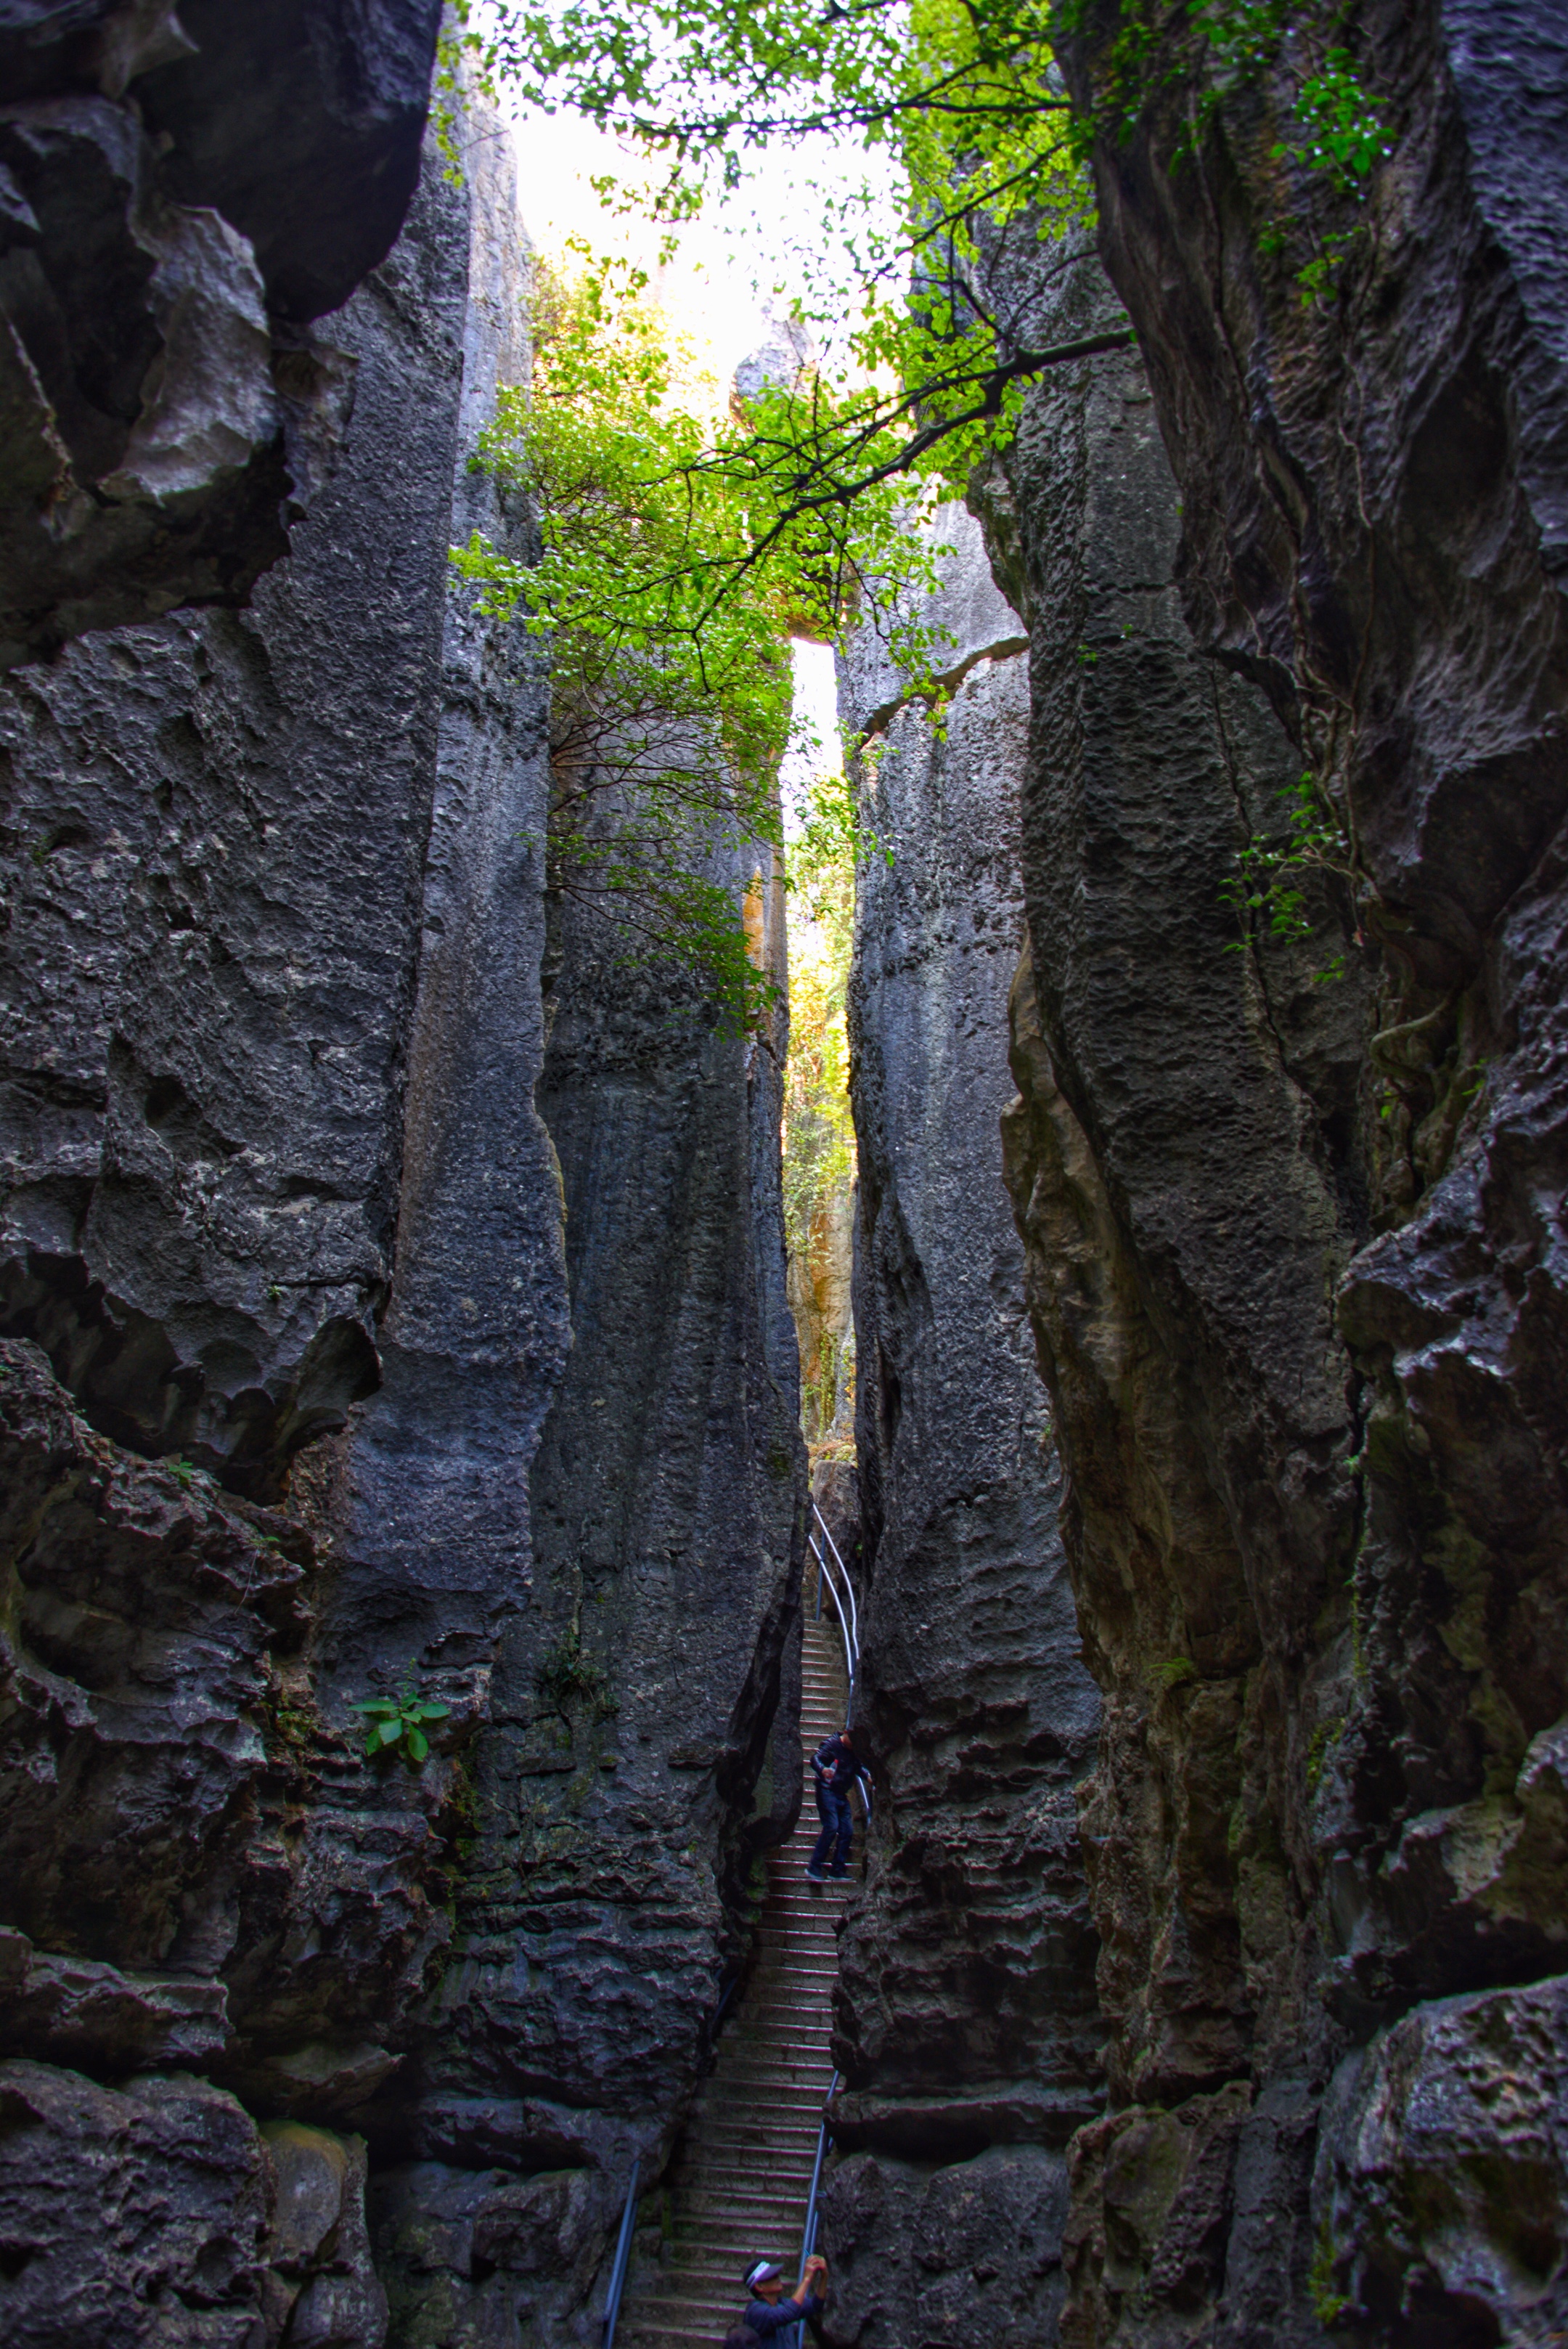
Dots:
(682, 548)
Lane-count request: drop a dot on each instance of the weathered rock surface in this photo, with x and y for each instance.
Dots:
(965, 2032)
(217, 827)
(180, 193)
(161, 1752)
(626, 1780)
(286, 1306)
(1178, 1276)
(214, 836)
(157, 2212)
(968, 2253)
(1292, 1248)
(1442, 2173)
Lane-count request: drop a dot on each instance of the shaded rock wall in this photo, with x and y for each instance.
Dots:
(215, 832)
(626, 1778)
(1292, 1246)
(216, 827)
(180, 192)
(285, 1281)
(965, 2025)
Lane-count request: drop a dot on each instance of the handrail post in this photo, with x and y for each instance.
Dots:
(622, 2254)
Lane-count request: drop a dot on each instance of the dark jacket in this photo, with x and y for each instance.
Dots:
(765, 2321)
(836, 1766)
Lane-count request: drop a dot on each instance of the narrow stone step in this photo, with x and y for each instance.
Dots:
(732, 2236)
(747, 2188)
(731, 2127)
(732, 2140)
(784, 2174)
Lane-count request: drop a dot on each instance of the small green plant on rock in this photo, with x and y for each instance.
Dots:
(566, 1674)
(1175, 1671)
(1342, 132)
(1329, 2304)
(1268, 892)
(1327, 1734)
(393, 1722)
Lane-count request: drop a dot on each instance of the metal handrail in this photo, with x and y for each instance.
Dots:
(849, 1626)
(849, 1585)
(809, 2239)
(623, 2256)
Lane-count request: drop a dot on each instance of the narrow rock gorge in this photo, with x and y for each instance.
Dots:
(394, 1308)
(966, 2035)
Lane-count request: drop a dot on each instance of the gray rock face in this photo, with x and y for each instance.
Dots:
(156, 2213)
(1456, 788)
(303, 127)
(968, 2253)
(1289, 1265)
(1177, 1263)
(625, 1782)
(276, 1173)
(176, 196)
(428, 1492)
(172, 1808)
(964, 2011)
(215, 831)
(1441, 2190)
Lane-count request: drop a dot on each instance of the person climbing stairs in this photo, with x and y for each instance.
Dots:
(742, 2177)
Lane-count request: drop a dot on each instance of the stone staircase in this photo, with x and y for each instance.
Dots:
(743, 2176)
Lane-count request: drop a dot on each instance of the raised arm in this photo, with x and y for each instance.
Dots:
(813, 2278)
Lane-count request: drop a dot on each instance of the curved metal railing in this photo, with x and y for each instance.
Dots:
(848, 1623)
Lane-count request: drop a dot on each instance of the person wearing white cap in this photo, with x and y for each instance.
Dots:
(766, 2312)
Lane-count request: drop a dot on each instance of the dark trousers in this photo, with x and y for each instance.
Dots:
(833, 1809)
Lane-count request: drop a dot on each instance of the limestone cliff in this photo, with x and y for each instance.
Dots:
(1291, 1211)
(965, 2032)
(293, 1272)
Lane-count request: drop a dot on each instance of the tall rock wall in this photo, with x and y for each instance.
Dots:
(216, 826)
(1184, 1220)
(966, 2033)
(292, 1270)
(625, 1780)
(1291, 1210)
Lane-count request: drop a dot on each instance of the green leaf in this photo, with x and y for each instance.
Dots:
(418, 1746)
(384, 1706)
(389, 1733)
(430, 1711)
